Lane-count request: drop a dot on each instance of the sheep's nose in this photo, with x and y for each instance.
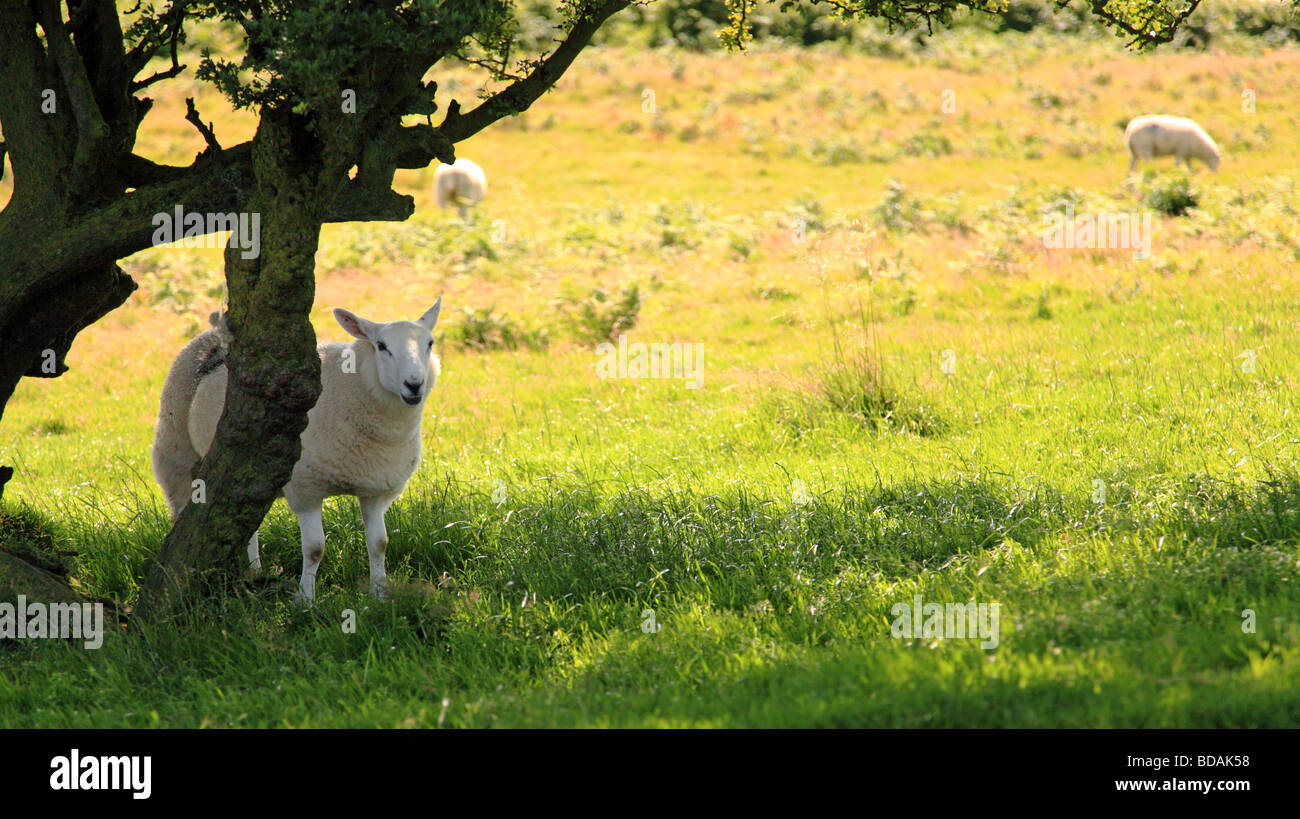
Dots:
(413, 386)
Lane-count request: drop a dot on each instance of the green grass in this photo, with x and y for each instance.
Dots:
(904, 393)
(770, 614)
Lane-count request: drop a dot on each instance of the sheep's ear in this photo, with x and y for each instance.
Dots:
(430, 319)
(354, 324)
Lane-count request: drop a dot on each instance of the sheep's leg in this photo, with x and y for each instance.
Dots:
(372, 515)
(1132, 163)
(313, 549)
(254, 554)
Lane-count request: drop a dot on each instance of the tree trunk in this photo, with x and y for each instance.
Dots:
(274, 370)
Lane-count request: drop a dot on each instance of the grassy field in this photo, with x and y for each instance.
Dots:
(904, 392)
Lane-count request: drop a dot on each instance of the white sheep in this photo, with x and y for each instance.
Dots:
(362, 436)
(1153, 136)
(462, 184)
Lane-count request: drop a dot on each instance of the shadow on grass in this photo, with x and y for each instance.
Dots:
(538, 598)
(742, 548)
(575, 544)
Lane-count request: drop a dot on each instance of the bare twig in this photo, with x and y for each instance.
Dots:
(157, 76)
(192, 115)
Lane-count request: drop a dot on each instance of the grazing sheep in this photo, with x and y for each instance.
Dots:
(462, 184)
(362, 437)
(1153, 136)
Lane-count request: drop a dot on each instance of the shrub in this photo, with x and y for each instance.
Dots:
(598, 318)
(1172, 196)
(855, 382)
(485, 330)
(926, 144)
(897, 211)
(808, 209)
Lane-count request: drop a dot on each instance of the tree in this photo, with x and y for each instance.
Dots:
(1145, 22)
(330, 81)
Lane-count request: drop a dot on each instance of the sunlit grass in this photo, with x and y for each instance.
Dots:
(904, 393)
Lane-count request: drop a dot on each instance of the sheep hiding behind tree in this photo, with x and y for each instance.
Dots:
(362, 437)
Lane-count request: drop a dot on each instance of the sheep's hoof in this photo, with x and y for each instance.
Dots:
(303, 600)
(381, 590)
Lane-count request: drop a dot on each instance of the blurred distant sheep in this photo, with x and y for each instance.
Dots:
(1154, 136)
(462, 184)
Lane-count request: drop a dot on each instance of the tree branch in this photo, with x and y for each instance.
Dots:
(140, 172)
(358, 202)
(519, 95)
(1142, 33)
(173, 21)
(157, 76)
(192, 116)
(414, 146)
(217, 184)
(92, 130)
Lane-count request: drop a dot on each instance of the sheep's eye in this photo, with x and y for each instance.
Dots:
(383, 348)
(430, 344)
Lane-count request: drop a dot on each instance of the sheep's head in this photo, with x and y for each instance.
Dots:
(404, 358)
